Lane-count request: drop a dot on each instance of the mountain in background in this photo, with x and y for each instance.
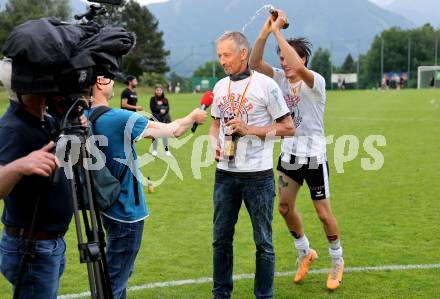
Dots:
(419, 12)
(343, 26)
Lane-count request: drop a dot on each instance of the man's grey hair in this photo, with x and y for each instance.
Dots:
(236, 36)
(5, 77)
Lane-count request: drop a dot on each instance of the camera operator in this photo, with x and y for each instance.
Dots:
(26, 163)
(124, 220)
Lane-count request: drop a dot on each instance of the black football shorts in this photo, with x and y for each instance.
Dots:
(309, 169)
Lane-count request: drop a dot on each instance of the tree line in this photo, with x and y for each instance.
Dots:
(401, 51)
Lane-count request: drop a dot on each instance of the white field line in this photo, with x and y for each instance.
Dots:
(251, 276)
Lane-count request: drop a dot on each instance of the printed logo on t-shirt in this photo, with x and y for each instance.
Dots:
(240, 107)
(292, 102)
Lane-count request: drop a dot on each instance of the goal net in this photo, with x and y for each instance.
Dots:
(428, 77)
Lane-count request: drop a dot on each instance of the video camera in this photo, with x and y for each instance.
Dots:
(112, 2)
(96, 10)
(62, 60)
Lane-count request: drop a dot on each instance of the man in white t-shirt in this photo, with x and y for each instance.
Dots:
(248, 112)
(303, 157)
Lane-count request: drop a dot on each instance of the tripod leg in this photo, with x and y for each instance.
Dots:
(76, 214)
(103, 283)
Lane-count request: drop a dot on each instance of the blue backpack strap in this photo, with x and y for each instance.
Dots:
(100, 110)
(93, 117)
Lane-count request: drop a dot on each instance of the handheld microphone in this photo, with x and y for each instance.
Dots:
(205, 102)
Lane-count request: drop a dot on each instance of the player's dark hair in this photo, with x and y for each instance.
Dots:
(129, 78)
(301, 45)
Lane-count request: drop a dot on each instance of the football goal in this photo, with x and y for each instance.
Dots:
(428, 77)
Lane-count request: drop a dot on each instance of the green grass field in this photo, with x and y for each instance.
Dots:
(387, 217)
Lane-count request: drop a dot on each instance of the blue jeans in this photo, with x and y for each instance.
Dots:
(123, 243)
(43, 270)
(258, 196)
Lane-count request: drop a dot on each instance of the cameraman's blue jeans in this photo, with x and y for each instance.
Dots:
(43, 270)
(123, 243)
(258, 195)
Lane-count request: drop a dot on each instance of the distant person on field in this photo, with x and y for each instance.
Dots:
(129, 96)
(339, 83)
(303, 157)
(432, 82)
(160, 108)
(343, 84)
(401, 83)
(177, 89)
(387, 82)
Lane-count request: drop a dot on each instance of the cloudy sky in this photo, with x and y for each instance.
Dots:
(145, 2)
(378, 2)
(382, 2)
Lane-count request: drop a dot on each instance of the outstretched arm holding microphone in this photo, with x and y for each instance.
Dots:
(178, 127)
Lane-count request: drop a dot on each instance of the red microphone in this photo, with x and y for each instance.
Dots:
(205, 102)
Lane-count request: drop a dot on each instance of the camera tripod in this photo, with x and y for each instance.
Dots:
(91, 252)
(84, 203)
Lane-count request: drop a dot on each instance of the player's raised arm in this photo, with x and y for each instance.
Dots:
(256, 60)
(288, 54)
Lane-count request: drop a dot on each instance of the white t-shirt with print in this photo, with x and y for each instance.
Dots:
(263, 104)
(307, 106)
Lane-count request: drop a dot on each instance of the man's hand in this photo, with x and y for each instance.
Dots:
(83, 121)
(279, 23)
(238, 126)
(266, 30)
(216, 149)
(199, 116)
(139, 108)
(41, 162)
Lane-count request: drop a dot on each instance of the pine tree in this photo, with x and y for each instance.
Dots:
(321, 64)
(148, 55)
(19, 11)
(349, 65)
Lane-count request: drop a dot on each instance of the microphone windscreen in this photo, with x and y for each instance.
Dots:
(207, 98)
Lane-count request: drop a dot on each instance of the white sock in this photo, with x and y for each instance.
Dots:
(335, 250)
(302, 245)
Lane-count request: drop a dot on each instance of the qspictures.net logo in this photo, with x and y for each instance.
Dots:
(347, 148)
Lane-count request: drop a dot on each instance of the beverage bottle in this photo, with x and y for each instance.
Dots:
(274, 14)
(229, 144)
(150, 185)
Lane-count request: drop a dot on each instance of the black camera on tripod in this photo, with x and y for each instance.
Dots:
(62, 61)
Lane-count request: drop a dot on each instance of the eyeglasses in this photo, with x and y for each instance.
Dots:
(104, 81)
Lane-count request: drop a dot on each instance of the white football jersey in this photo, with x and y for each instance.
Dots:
(307, 107)
(263, 104)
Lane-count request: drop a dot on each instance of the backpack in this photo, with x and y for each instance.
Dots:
(106, 187)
